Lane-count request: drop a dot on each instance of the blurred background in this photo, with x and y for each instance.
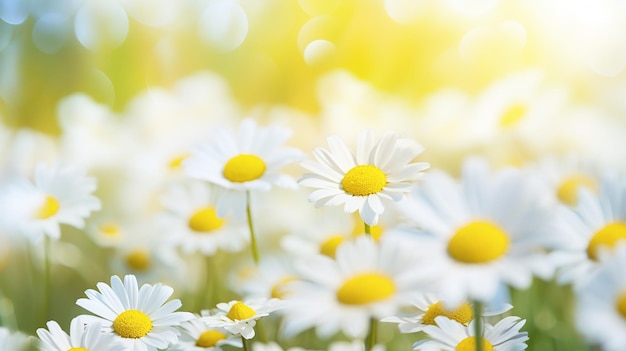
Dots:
(514, 80)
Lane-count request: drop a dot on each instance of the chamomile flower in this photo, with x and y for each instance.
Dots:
(449, 335)
(198, 336)
(81, 337)
(139, 318)
(596, 221)
(489, 230)
(59, 195)
(249, 159)
(239, 317)
(429, 307)
(12, 341)
(193, 224)
(359, 181)
(367, 279)
(601, 304)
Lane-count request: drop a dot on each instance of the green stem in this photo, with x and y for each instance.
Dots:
(478, 325)
(244, 343)
(373, 332)
(368, 230)
(46, 278)
(253, 245)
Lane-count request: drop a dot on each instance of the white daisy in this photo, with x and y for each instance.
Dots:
(249, 159)
(198, 336)
(601, 304)
(429, 307)
(81, 337)
(378, 170)
(449, 335)
(139, 318)
(491, 229)
(239, 317)
(12, 341)
(193, 224)
(59, 195)
(596, 221)
(366, 280)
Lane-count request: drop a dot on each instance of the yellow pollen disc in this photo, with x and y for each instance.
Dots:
(330, 245)
(278, 290)
(512, 115)
(469, 344)
(210, 338)
(48, 209)
(567, 191)
(364, 180)
(205, 220)
(110, 230)
(240, 311)
(607, 236)
(77, 349)
(365, 288)
(478, 242)
(177, 162)
(462, 314)
(620, 304)
(139, 260)
(244, 168)
(132, 324)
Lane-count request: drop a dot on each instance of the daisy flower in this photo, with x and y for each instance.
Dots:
(81, 337)
(489, 230)
(367, 279)
(359, 181)
(601, 304)
(449, 335)
(429, 308)
(60, 195)
(139, 318)
(198, 336)
(240, 317)
(12, 341)
(193, 224)
(249, 159)
(596, 221)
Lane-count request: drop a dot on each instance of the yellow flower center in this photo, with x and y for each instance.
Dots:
(478, 242)
(205, 220)
(244, 168)
(512, 115)
(139, 260)
(608, 236)
(77, 349)
(48, 209)
(132, 324)
(240, 311)
(567, 191)
(620, 304)
(364, 180)
(365, 288)
(110, 229)
(330, 245)
(177, 162)
(462, 314)
(469, 344)
(210, 338)
(278, 290)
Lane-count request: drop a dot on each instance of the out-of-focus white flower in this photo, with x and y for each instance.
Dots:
(58, 195)
(367, 279)
(601, 302)
(270, 279)
(81, 337)
(12, 341)
(482, 233)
